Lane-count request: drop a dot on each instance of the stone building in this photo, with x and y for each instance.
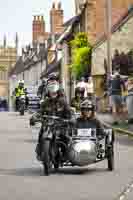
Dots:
(93, 17)
(93, 21)
(8, 57)
(121, 39)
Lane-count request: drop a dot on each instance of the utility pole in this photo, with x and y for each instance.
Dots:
(108, 18)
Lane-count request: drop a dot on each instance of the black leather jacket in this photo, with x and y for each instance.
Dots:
(57, 106)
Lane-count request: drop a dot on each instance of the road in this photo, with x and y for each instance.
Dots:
(21, 175)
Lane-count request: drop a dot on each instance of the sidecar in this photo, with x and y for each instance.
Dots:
(86, 148)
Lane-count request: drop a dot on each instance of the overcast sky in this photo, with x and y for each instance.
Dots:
(16, 16)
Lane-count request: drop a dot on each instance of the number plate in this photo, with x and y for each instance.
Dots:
(84, 132)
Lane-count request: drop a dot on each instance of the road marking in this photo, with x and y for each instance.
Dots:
(125, 192)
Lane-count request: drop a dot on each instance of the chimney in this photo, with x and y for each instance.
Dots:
(56, 18)
(38, 28)
(121, 3)
(59, 5)
(53, 5)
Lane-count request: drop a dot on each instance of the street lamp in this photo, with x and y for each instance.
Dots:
(108, 16)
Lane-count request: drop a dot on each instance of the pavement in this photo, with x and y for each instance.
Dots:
(123, 127)
(21, 175)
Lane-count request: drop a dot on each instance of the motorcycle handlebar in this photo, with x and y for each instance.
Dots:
(51, 117)
(56, 118)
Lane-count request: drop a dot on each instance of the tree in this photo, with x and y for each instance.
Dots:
(81, 55)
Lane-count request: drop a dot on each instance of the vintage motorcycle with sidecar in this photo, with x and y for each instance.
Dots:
(63, 145)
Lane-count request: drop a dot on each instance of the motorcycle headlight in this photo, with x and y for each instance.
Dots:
(57, 132)
(22, 97)
(50, 122)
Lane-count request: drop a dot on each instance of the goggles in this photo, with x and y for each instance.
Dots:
(87, 109)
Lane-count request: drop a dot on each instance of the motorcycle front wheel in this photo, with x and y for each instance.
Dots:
(46, 158)
(22, 112)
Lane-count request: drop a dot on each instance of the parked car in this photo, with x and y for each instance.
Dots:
(3, 104)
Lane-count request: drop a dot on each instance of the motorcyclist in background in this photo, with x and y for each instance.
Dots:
(42, 89)
(88, 119)
(54, 104)
(18, 92)
(79, 97)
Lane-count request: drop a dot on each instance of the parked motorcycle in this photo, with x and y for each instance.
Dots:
(62, 145)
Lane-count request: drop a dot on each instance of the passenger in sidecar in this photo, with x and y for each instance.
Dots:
(88, 120)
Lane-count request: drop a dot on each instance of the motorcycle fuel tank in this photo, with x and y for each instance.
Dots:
(83, 153)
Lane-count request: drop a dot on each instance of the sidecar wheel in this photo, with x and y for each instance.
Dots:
(56, 166)
(46, 169)
(110, 158)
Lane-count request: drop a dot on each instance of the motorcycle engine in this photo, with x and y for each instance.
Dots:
(83, 153)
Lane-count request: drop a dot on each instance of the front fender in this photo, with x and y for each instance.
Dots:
(47, 134)
(109, 136)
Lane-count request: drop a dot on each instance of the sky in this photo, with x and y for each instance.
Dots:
(16, 16)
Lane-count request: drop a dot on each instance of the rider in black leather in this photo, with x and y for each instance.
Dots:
(88, 119)
(54, 104)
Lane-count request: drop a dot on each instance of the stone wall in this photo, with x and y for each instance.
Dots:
(122, 40)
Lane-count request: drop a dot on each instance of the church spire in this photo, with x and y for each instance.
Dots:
(16, 42)
(4, 41)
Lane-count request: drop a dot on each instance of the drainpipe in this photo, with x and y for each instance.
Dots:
(108, 31)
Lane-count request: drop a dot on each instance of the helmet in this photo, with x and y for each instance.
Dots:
(52, 76)
(87, 105)
(21, 82)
